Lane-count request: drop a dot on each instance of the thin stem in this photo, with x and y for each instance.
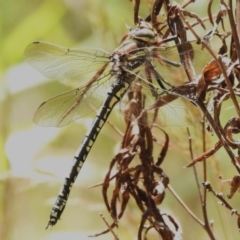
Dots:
(204, 203)
(185, 206)
(233, 27)
(109, 227)
(194, 167)
(206, 227)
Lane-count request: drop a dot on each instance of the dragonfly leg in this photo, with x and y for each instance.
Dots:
(160, 80)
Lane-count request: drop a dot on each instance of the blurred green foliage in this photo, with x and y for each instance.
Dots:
(39, 159)
(68, 23)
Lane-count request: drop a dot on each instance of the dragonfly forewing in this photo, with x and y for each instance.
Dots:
(58, 62)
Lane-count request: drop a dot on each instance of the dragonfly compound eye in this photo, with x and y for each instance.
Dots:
(144, 33)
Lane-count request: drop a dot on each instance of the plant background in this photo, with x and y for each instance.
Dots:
(34, 161)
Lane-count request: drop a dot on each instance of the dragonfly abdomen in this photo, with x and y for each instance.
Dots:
(113, 97)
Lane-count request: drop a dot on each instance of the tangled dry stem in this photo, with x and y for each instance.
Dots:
(146, 182)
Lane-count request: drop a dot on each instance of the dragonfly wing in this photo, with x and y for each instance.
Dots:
(180, 112)
(58, 62)
(172, 62)
(70, 106)
(165, 108)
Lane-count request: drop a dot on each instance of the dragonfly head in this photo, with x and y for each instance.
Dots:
(143, 32)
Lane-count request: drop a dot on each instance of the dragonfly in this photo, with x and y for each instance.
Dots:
(139, 52)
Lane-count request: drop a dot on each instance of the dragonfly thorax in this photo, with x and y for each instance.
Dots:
(130, 54)
(125, 57)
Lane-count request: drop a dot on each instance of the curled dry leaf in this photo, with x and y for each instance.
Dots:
(210, 72)
(232, 128)
(204, 156)
(234, 186)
